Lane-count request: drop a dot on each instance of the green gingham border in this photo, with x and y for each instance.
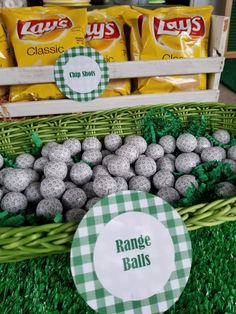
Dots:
(86, 281)
(59, 73)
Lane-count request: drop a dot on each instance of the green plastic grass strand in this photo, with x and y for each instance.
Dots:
(37, 144)
(197, 127)
(217, 143)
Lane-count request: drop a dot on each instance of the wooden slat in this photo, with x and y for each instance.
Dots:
(131, 69)
(38, 108)
(230, 54)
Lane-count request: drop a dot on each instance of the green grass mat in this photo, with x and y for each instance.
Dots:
(228, 77)
(45, 285)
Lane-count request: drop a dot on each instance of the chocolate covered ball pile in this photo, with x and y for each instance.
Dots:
(55, 184)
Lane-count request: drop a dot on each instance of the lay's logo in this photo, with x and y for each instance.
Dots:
(103, 30)
(41, 27)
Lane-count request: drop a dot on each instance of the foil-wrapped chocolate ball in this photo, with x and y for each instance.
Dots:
(59, 153)
(81, 173)
(88, 189)
(130, 174)
(154, 151)
(32, 174)
(104, 186)
(165, 163)
(1, 161)
(16, 180)
(74, 145)
(112, 142)
(40, 163)
(169, 194)
(137, 141)
(122, 184)
(185, 162)
(163, 178)
(105, 153)
(52, 187)
(140, 183)
(69, 185)
(91, 143)
(1, 194)
(25, 161)
(32, 193)
(184, 182)
(168, 143)
(225, 189)
(90, 203)
(14, 202)
(222, 136)
(128, 151)
(75, 215)
(3, 172)
(106, 159)
(145, 166)
(92, 156)
(47, 147)
(73, 198)
(232, 153)
(49, 207)
(232, 164)
(57, 169)
(118, 166)
(213, 153)
(186, 143)
(202, 143)
(100, 170)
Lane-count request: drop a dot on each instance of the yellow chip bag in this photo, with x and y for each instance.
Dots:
(165, 34)
(105, 33)
(5, 56)
(39, 35)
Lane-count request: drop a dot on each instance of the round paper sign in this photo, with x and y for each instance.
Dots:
(131, 254)
(81, 73)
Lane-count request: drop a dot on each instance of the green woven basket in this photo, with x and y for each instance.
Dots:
(27, 242)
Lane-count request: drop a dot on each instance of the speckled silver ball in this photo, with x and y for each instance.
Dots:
(1, 161)
(213, 153)
(165, 163)
(81, 173)
(185, 162)
(74, 146)
(75, 215)
(155, 151)
(16, 180)
(33, 175)
(14, 202)
(88, 189)
(105, 153)
(163, 178)
(118, 166)
(202, 142)
(47, 147)
(74, 198)
(106, 159)
(92, 202)
(129, 151)
(25, 161)
(3, 172)
(92, 156)
(222, 136)
(69, 185)
(59, 153)
(122, 184)
(57, 169)
(232, 153)
(168, 194)
(49, 207)
(184, 182)
(52, 187)
(104, 186)
(145, 166)
(32, 193)
(137, 141)
(4, 190)
(171, 156)
(91, 143)
(130, 174)
(225, 189)
(112, 142)
(232, 164)
(40, 163)
(1, 194)
(100, 170)
(140, 183)
(186, 143)
(168, 143)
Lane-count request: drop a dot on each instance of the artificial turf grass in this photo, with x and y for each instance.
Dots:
(45, 285)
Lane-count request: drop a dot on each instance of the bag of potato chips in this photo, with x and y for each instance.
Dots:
(39, 35)
(165, 34)
(105, 33)
(5, 56)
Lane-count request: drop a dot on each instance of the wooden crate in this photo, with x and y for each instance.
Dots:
(213, 66)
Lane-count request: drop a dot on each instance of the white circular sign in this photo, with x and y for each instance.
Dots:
(82, 74)
(129, 251)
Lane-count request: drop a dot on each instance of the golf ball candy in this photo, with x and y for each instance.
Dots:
(118, 166)
(57, 169)
(49, 207)
(232, 153)
(213, 153)
(32, 174)
(202, 143)
(52, 187)
(3, 173)
(184, 182)
(69, 185)
(130, 174)
(168, 143)
(47, 147)
(40, 164)
(232, 164)
(129, 151)
(105, 153)
(185, 162)
(140, 183)
(59, 153)
(154, 151)
(222, 136)
(74, 145)
(122, 184)
(1, 161)
(90, 203)
(88, 189)
(145, 166)
(25, 161)
(1, 194)
(137, 141)
(104, 186)
(81, 173)
(162, 179)
(168, 194)
(165, 163)
(106, 159)
(32, 193)
(75, 215)
(112, 142)
(186, 143)
(74, 198)
(91, 143)
(14, 202)
(92, 156)
(16, 180)
(100, 170)
(225, 189)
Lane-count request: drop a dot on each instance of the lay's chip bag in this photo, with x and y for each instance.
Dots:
(105, 33)
(5, 56)
(165, 34)
(39, 35)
